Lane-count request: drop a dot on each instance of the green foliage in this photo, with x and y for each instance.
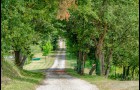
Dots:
(25, 23)
(16, 27)
(47, 48)
(28, 22)
(86, 26)
(55, 42)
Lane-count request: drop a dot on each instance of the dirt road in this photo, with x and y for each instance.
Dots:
(57, 79)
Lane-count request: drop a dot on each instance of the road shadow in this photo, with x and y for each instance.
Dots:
(27, 80)
(55, 73)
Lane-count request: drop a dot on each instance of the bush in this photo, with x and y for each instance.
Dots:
(118, 76)
(47, 48)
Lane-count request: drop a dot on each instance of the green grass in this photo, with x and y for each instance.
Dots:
(13, 78)
(27, 79)
(42, 64)
(101, 82)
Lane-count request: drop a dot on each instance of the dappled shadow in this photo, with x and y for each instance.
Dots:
(62, 49)
(26, 79)
(58, 73)
(54, 73)
(52, 56)
(49, 70)
(61, 56)
(38, 70)
(56, 55)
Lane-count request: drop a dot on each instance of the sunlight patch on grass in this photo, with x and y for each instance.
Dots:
(41, 64)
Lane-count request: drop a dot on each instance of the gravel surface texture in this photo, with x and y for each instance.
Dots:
(57, 79)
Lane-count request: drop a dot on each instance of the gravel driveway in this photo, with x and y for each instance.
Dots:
(57, 79)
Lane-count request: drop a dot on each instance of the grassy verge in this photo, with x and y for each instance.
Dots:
(101, 82)
(42, 64)
(14, 79)
(27, 79)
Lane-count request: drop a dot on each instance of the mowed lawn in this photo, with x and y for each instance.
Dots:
(42, 64)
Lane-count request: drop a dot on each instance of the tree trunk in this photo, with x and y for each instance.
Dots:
(99, 54)
(76, 67)
(124, 72)
(79, 62)
(127, 72)
(2, 58)
(133, 70)
(17, 58)
(92, 69)
(83, 63)
(82, 67)
(23, 61)
(103, 65)
(98, 58)
(115, 71)
(108, 63)
(100, 63)
(97, 67)
(138, 73)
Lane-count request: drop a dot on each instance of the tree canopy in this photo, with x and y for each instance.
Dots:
(106, 31)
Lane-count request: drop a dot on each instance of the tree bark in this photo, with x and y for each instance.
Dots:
(133, 70)
(103, 64)
(82, 65)
(124, 72)
(92, 69)
(108, 63)
(98, 56)
(79, 62)
(98, 53)
(76, 67)
(17, 58)
(23, 61)
(127, 72)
